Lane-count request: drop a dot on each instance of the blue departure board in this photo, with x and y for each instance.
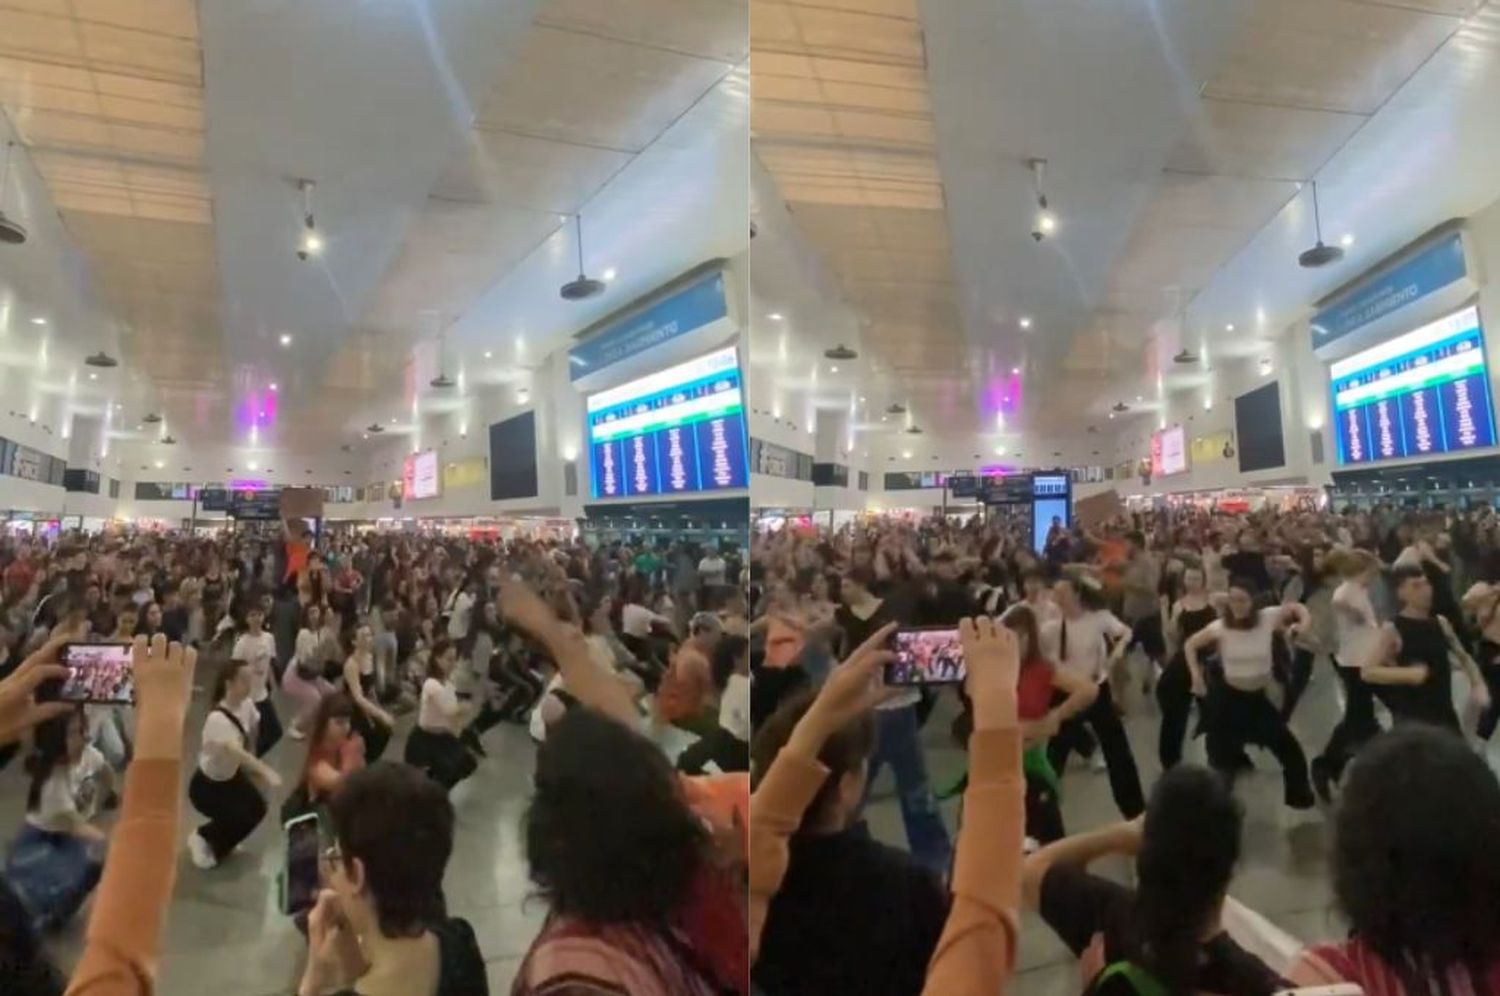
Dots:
(674, 432)
(1421, 394)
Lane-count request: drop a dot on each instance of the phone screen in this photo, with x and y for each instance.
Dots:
(927, 657)
(97, 672)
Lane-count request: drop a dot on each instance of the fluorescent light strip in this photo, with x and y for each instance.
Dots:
(1442, 371)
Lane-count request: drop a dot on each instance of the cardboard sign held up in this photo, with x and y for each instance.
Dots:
(302, 503)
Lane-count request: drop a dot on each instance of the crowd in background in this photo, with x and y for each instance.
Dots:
(625, 662)
(1212, 624)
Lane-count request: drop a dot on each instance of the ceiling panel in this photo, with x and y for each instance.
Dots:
(712, 29)
(522, 171)
(1260, 140)
(1335, 55)
(590, 90)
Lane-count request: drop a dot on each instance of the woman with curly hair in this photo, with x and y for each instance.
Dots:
(1416, 871)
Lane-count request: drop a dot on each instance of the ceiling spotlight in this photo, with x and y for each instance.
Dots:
(906, 454)
(160, 464)
(39, 320)
(1229, 327)
(12, 232)
(775, 316)
(1026, 323)
(1139, 399)
(1046, 222)
(999, 451)
(310, 243)
(1347, 240)
(273, 386)
(488, 354)
(253, 465)
(609, 274)
(583, 287)
(286, 338)
(392, 421)
(833, 369)
(93, 376)
(1015, 371)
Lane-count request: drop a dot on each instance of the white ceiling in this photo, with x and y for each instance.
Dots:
(162, 141)
(1176, 134)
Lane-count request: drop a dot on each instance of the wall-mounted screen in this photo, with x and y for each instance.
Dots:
(1419, 394)
(513, 472)
(676, 431)
(1169, 452)
(421, 475)
(1257, 421)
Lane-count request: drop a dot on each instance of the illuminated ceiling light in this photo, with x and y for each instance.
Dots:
(273, 386)
(1139, 399)
(833, 369)
(39, 320)
(1026, 322)
(1347, 240)
(609, 274)
(286, 338)
(253, 465)
(1229, 327)
(999, 451)
(160, 464)
(311, 243)
(906, 454)
(1208, 404)
(1015, 371)
(1046, 222)
(93, 376)
(775, 316)
(393, 421)
(489, 355)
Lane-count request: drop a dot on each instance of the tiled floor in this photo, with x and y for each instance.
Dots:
(1283, 871)
(225, 935)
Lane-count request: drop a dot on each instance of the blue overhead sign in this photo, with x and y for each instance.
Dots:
(692, 307)
(1424, 273)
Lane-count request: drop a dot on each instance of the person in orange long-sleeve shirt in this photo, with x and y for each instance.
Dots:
(975, 950)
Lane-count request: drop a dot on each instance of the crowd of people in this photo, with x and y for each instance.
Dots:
(1203, 624)
(627, 663)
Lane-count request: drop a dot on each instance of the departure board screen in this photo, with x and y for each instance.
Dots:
(1423, 393)
(673, 432)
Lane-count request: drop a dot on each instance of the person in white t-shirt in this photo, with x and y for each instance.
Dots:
(58, 857)
(1089, 641)
(435, 745)
(257, 648)
(221, 788)
(711, 570)
(460, 609)
(1356, 635)
(1241, 713)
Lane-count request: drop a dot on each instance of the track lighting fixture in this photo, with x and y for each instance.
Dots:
(310, 243)
(1046, 222)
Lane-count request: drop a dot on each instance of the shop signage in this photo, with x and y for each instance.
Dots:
(691, 307)
(1372, 298)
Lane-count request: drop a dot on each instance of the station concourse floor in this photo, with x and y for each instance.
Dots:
(225, 936)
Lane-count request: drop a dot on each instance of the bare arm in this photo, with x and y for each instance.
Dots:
(1198, 642)
(357, 692)
(1080, 849)
(1456, 649)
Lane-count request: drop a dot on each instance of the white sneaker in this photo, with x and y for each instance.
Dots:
(202, 854)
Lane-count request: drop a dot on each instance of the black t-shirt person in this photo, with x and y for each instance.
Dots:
(1093, 915)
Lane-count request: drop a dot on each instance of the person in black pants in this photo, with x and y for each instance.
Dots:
(1357, 631)
(434, 746)
(221, 788)
(1079, 641)
(1174, 690)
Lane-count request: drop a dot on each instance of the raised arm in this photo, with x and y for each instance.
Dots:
(585, 680)
(124, 933)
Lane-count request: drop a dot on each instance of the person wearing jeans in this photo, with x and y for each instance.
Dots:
(898, 743)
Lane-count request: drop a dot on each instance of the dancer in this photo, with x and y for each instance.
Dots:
(1174, 691)
(303, 680)
(221, 788)
(1357, 634)
(371, 722)
(257, 648)
(435, 746)
(1079, 641)
(1040, 684)
(58, 857)
(1240, 713)
(1412, 669)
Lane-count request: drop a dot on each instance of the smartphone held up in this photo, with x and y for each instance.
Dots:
(97, 673)
(927, 657)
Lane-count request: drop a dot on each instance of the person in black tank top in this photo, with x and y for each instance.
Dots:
(1415, 679)
(1174, 690)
